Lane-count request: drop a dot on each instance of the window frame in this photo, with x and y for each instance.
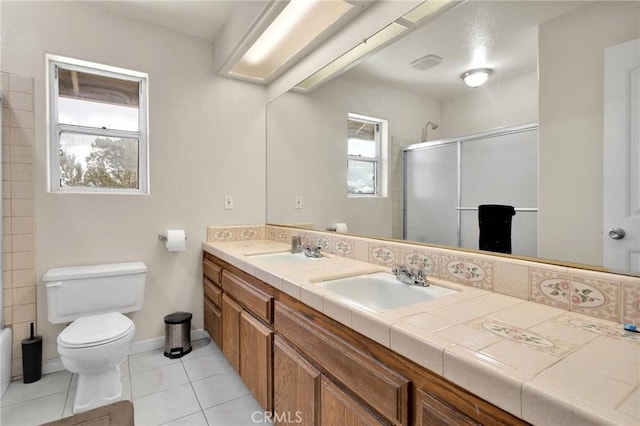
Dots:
(378, 160)
(55, 129)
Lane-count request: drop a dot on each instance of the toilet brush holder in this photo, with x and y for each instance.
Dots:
(32, 358)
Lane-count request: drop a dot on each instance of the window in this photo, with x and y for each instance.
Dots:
(98, 128)
(365, 171)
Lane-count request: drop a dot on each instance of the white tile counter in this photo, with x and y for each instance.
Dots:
(543, 364)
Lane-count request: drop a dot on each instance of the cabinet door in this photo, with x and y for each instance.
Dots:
(213, 322)
(296, 386)
(231, 331)
(432, 411)
(338, 408)
(256, 360)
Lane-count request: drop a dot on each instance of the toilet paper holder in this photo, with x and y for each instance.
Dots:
(164, 238)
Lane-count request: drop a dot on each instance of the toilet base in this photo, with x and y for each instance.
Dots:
(96, 390)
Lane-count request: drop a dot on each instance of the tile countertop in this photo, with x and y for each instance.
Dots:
(545, 365)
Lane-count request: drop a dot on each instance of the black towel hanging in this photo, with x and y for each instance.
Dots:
(495, 227)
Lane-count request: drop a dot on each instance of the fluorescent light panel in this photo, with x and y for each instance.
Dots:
(426, 9)
(381, 37)
(300, 22)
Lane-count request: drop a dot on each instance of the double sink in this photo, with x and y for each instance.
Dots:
(379, 291)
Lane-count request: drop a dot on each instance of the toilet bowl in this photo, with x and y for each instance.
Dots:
(94, 347)
(92, 299)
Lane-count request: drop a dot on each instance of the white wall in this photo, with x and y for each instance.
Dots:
(307, 152)
(571, 64)
(206, 139)
(504, 103)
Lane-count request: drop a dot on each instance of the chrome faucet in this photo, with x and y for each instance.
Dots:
(296, 244)
(313, 251)
(412, 276)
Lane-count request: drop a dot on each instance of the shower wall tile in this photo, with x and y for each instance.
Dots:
(18, 140)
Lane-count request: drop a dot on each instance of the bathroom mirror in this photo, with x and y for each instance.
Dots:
(548, 68)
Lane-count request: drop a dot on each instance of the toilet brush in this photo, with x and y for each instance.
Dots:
(32, 358)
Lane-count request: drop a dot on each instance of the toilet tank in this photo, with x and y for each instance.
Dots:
(78, 291)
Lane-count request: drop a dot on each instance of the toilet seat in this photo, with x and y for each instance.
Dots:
(95, 330)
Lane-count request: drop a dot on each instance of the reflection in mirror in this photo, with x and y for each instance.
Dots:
(547, 61)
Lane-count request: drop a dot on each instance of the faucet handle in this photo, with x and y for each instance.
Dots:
(397, 269)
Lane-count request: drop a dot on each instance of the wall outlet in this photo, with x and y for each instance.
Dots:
(298, 202)
(228, 202)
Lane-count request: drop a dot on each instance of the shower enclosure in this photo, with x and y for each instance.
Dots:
(445, 181)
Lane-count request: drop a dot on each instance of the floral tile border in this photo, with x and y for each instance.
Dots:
(549, 287)
(468, 271)
(235, 233)
(598, 294)
(519, 335)
(595, 297)
(631, 303)
(594, 326)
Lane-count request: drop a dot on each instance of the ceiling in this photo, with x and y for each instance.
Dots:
(501, 35)
(202, 19)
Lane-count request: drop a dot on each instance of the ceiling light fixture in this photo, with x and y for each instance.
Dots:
(476, 77)
(351, 58)
(293, 31)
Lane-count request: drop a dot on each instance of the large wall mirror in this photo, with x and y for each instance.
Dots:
(550, 75)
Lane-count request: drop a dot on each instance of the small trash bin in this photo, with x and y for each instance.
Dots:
(177, 327)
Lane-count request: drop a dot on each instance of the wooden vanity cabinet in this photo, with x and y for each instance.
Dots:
(212, 300)
(308, 369)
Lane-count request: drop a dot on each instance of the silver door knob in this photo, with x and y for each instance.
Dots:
(616, 233)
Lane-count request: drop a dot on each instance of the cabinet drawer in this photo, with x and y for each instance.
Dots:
(211, 271)
(255, 300)
(382, 388)
(213, 292)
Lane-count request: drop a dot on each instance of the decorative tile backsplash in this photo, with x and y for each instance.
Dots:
(601, 295)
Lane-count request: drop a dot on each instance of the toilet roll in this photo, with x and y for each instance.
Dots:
(176, 240)
(341, 227)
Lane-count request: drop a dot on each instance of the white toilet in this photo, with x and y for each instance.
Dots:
(93, 299)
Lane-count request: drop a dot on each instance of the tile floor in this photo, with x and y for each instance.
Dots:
(200, 388)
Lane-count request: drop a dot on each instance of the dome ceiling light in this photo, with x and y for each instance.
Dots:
(476, 77)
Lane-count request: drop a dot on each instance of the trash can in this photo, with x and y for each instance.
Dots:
(177, 327)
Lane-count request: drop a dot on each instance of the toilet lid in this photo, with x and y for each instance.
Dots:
(95, 330)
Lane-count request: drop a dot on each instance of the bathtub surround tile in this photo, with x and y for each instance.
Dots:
(23, 278)
(21, 119)
(21, 173)
(23, 260)
(21, 84)
(21, 243)
(21, 137)
(24, 313)
(22, 208)
(19, 101)
(22, 225)
(24, 295)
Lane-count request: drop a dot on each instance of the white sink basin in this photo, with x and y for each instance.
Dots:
(283, 258)
(382, 291)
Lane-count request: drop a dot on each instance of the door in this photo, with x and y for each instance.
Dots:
(621, 191)
(231, 331)
(256, 358)
(295, 386)
(338, 408)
